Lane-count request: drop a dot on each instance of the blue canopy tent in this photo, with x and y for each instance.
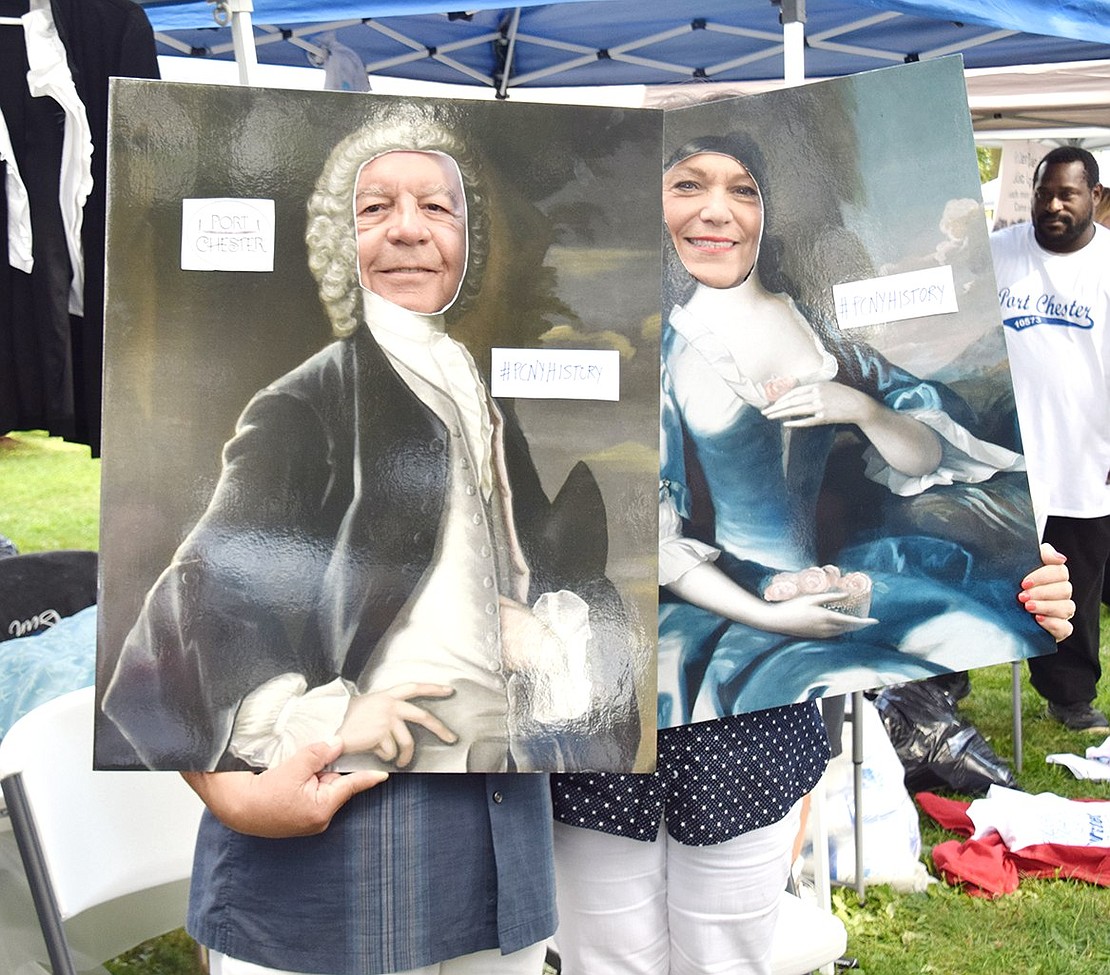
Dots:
(612, 42)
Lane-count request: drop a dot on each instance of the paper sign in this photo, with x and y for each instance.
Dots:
(895, 297)
(1015, 181)
(556, 373)
(227, 235)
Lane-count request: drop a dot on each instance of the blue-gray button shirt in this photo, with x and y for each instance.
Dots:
(418, 870)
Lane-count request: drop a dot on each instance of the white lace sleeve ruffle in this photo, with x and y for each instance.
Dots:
(282, 715)
(562, 690)
(678, 554)
(965, 459)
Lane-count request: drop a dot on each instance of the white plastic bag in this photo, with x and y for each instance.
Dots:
(891, 831)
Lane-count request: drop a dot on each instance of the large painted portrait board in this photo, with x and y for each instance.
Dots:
(380, 450)
(844, 503)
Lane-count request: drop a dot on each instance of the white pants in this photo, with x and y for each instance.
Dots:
(527, 961)
(632, 908)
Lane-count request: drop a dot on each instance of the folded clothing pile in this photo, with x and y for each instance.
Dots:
(1013, 834)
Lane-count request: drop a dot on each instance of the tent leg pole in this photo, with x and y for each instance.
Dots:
(793, 42)
(242, 37)
(857, 790)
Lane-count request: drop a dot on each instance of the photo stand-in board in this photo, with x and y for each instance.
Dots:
(286, 535)
(441, 546)
(838, 423)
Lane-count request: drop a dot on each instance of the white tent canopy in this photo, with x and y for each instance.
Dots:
(1062, 102)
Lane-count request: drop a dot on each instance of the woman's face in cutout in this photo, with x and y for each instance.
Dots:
(410, 219)
(713, 210)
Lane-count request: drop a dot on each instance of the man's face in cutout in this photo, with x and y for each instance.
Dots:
(713, 210)
(410, 219)
(1064, 207)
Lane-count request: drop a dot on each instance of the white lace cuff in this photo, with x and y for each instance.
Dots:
(678, 554)
(965, 459)
(280, 716)
(563, 689)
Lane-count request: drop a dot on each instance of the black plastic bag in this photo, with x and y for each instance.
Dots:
(937, 749)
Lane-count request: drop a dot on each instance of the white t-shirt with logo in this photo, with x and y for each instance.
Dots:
(1056, 313)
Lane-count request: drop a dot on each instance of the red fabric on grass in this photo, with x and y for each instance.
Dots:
(988, 868)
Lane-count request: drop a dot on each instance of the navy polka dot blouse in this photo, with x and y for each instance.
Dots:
(713, 780)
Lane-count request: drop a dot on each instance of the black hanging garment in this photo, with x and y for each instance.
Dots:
(50, 360)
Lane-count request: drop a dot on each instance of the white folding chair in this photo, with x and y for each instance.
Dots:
(107, 854)
(807, 938)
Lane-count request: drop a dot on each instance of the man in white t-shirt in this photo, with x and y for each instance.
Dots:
(1054, 289)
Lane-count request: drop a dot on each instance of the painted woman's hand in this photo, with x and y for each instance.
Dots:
(294, 798)
(806, 616)
(818, 404)
(904, 442)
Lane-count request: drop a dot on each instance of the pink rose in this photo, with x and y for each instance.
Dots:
(813, 580)
(856, 583)
(778, 386)
(780, 588)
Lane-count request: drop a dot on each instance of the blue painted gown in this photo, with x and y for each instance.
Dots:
(750, 487)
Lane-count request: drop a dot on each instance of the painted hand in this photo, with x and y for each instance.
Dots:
(818, 404)
(806, 616)
(379, 722)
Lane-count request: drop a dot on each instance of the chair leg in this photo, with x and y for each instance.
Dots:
(822, 883)
(1015, 694)
(38, 877)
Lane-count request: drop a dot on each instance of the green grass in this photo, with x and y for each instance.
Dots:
(49, 494)
(172, 954)
(1044, 928)
(1047, 927)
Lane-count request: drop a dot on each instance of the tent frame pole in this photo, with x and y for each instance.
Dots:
(510, 42)
(238, 13)
(793, 42)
